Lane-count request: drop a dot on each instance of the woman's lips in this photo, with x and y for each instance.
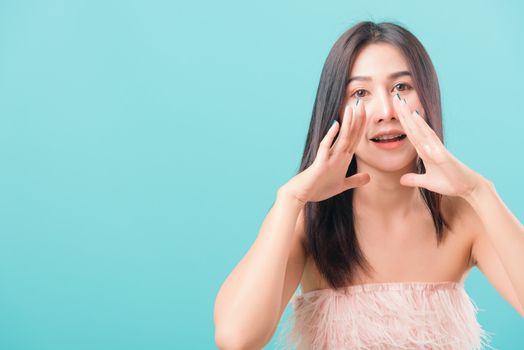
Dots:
(390, 144)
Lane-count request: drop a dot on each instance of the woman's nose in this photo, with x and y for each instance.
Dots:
(384, 109)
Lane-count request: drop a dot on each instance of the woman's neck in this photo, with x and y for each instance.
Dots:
(385, 196)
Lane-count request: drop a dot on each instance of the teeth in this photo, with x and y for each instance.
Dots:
(387, 137)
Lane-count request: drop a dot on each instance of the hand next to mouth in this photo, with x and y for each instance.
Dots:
(445, 174)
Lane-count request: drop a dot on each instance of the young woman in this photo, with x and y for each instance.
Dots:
(381, 225)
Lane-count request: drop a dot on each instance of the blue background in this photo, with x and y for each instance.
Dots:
(142, 144)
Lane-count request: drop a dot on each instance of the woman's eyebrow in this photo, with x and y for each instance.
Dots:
(391, 76)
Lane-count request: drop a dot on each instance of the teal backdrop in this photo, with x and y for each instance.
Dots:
(142, 144)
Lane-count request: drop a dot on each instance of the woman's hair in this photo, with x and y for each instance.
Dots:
(329, 225)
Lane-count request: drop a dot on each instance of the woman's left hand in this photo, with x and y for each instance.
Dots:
(444, 174)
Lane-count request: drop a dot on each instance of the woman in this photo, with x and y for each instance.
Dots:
(381, 225)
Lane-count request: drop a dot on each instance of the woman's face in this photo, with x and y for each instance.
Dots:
(378, 74)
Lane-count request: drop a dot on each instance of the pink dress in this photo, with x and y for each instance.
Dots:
(394, 315)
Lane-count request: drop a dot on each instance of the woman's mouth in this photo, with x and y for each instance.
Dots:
(389, 141)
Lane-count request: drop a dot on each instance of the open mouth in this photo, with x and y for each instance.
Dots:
(389, 138)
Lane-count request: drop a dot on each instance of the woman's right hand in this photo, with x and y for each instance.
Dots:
(326, 176)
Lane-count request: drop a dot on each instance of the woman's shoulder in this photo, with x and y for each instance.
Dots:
(457, 209)
(462, 218)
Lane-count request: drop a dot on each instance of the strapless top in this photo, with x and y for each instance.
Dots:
(391, 315)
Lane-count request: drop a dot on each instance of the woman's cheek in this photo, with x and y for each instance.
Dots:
(361, 146)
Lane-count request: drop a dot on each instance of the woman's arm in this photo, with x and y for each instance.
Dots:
(506, 235)
(248, 305)
(446, 175)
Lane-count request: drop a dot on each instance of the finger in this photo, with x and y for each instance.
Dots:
(326, 142)
(344, 129)
(429, 143)
(408, 124)
(342, 142)
(420, 129)
(413, 180)
(359, 127)
(356, 180)
(419, 124)
(428, 131)
(354, 116)
(433, 146)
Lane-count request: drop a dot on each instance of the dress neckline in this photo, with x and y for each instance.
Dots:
(382, 286)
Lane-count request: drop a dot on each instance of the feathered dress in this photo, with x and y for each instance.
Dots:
(393, 315)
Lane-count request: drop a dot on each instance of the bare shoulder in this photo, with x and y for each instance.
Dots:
(463, 219)
(458, 211)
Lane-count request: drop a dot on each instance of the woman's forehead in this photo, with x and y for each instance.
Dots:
(378, 61)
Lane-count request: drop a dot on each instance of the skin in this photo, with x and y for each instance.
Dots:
(484, 231)
(383, 194)
(394, 229)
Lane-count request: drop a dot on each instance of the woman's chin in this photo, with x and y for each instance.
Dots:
(388, 164)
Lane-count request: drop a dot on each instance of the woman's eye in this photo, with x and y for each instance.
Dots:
(359, 93)
(402, 86)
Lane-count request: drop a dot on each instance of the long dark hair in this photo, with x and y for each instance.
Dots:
(329, 225)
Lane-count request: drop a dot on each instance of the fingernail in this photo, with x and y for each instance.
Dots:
(404, 100)
(358, 100)
(333, 123)
(398, 96)
(417, 112)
